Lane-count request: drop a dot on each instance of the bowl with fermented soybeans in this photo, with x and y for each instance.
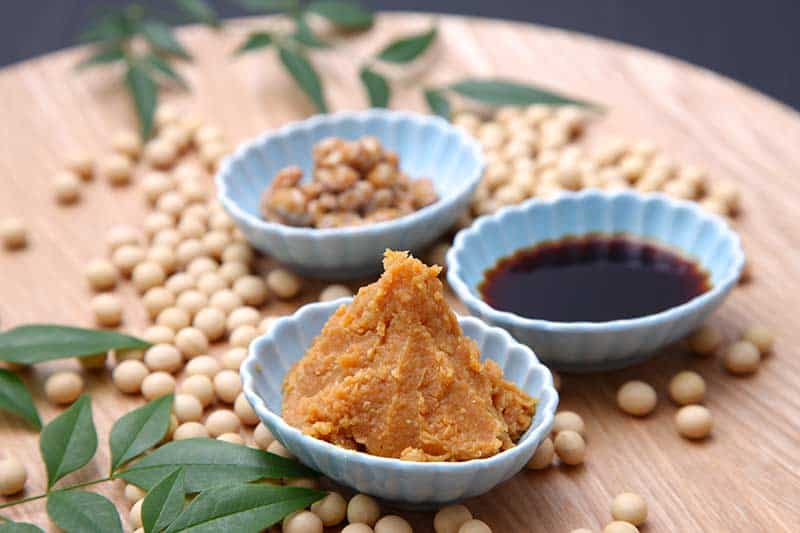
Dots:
(663, 226)
(426, 152)
(407, 483)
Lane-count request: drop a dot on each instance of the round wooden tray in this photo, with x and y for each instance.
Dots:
(745, 478)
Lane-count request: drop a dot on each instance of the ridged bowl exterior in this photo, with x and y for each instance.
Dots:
(598, 346)
(419, 485)
(428, 146)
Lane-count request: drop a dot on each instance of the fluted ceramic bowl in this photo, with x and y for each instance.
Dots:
(596, 346)
(405, 483)
(428, 146)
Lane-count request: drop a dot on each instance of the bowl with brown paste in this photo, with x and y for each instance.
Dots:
(392, 394)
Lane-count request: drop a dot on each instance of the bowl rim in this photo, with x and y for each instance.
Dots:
(469, 182)
(462, 289)
(547, 402)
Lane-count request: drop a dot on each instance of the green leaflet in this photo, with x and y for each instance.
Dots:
(306, 77)
(255, 41)
(377, 87)
(144, 92)
(160, 35)
(19, 527)
(69, 441)
(505, 92)
(37, 343)
(437, 103)
(139, 430)
(103, 56)
(345, 15)
(79, 511)
(15, 398)
(242, 508)
(164, 502)
(408, 49)
(209, 462)
(200, 11)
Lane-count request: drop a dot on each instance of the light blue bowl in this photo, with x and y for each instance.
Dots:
(421, 485)
(428, 147)
(598, 346)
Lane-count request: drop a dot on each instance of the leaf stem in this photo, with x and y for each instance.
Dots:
(45, 494)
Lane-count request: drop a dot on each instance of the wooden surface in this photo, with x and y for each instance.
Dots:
(746, 478)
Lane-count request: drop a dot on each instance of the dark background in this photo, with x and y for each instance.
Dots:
(755, 42)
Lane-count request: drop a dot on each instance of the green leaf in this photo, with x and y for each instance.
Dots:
(270, 6)
(103, 56)
(305, 35)
(69, 441)
(345, 15)
(437, 103)
(306, 77)
(80, 511)
(114, 26)
(15, 398)
(164, 502)
(242, 508)
(408, 49)
(159, 34)
(200, 11)
(210, 462)
(255, 41)
(164, 68)
(505, 92)
(377, 87)
(19, 527)
(144, 93)
(37, 343)
(139, 430)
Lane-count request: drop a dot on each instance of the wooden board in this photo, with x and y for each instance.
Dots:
(746, 478)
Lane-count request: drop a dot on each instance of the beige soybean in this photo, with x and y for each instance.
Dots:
(266, 323)
(637, 398)
(163, 357)
(13, 476)
(156, 300)
(233, 270)
(694, 421)
(210, 321)
(159, 335)
(116, 169)
(543, 457)
(302, 522)
(180, 282)
(201, 387)
(215, 242)
(81, 164)
(203, 364)
(107, 310)
(157, 222)
(363, 509)
(127, 143)
(187, 408)
(192, 301)
(168, 237)
(191, 227)
(225, 300)
(121, 235)
(13, 233)
(211, 282)
(331, 509)
(233, 358)
(242, 336)
(357, 528)
(279, 449)
(67, 188)
(129, 375)
(245, 411)
(741, 358)
(233, 438)
(629, 507)
(334, 292)
(133, 493)
(705, 340)
(283, 283)
(201, 265)
(569, 420)
(189, 250)
(475, 526)
(252, 290)
(222, 421)
(392, 524)
(687, 387)
(174, 318)
(63, 387)
(190, 430)
(157, 384)
(570, 447)
(227, 385)
(449, 519)
(160, 153)
(761, 337)
(147, 275)
(191, 342)
(619, 526)
(127, 256)
(154, 184)
(262, 436)
(101, 274)
(243, 316)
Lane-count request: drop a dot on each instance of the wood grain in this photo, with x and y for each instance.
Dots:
(746, 478)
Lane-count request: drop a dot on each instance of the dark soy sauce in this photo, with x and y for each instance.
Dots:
(596, 278)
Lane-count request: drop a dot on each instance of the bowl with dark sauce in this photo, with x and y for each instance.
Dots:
(594, 281)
